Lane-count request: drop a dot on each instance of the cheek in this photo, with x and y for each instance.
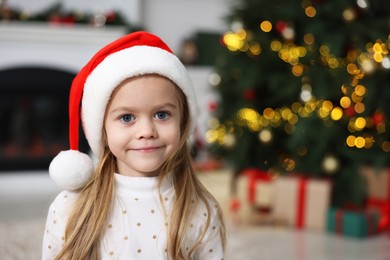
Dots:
(114, 139)
(173, 135)
(111, 142)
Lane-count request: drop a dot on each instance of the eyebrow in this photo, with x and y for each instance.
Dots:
(130, 109)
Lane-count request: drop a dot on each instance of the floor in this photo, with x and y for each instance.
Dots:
(277, 244)
(25, 197)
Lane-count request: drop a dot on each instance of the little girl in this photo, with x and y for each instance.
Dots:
(141, 199)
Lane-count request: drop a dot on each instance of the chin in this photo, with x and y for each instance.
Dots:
(148, 171)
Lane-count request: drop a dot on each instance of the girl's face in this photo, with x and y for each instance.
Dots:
(143, 124)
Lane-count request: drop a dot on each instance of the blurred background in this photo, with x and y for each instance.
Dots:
(293, 135)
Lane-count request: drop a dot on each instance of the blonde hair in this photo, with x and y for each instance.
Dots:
(94, 204)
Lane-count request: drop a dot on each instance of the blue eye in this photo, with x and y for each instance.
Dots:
(126, 118)
(162, 115)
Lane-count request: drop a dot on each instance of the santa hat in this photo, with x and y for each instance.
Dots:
(137, 53)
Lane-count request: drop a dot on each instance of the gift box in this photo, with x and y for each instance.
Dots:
(357, 224)
(301, 202)
(254, 187)
(378, 193)
(382, 208)
(378, 182)
(253, 196)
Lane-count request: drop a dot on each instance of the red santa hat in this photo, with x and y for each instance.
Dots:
(137, 53)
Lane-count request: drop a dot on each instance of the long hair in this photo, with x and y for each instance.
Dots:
(189, 192)
(94, 204)
(90, 213)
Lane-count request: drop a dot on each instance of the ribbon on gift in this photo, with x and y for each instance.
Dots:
(383, 207)
(372, 227)
(254, 175)
(301, 202)
(372, 223)
(339, 215)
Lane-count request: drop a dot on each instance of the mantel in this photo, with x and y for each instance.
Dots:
(44, 44)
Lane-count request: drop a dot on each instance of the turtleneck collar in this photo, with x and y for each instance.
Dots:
(141, 186)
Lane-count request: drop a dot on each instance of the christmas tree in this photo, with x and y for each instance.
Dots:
(304, 88)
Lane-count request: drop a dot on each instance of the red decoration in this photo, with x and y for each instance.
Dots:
(68, 20)
(249, 94)
(378, 118)
(55, 19)
(213, 106)
(110, 16)
(221, 42)
(350, 111)
(62, 20)
(280, 26)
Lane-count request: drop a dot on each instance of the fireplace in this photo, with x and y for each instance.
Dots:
(33, 116)
(38, 63)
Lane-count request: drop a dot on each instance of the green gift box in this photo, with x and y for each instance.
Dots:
(358, 224)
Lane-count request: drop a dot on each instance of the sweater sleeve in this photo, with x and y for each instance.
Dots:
(54, 234)
(212, 243)
(211, 246)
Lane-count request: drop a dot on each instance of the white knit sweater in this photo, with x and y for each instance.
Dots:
(137, 227)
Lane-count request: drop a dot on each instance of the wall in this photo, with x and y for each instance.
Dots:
(173, 20)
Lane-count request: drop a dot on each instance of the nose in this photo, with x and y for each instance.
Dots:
(146, 129)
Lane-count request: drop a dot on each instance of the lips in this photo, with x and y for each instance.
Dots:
(147, 149)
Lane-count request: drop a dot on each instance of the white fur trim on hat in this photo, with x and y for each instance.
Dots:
(117, 67)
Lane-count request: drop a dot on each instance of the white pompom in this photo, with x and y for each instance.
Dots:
(71, 169)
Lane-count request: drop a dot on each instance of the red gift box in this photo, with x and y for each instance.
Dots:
(383, 209)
